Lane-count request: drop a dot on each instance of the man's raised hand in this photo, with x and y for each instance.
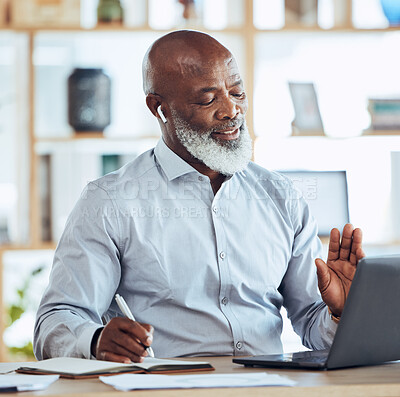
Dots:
(336, 275)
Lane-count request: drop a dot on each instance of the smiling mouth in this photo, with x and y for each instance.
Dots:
(227, 135)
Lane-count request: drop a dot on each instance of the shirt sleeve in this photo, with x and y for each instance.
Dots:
(85, 275)
(306, 310)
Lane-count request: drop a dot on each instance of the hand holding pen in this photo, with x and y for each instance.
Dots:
(123, 340)
(127, 312)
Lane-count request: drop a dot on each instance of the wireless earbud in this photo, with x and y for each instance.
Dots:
(160, 112)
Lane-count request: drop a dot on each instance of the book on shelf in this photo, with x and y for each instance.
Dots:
(4, 12)
(45, 197)
(79, 368)
(385, 114)
(62, 178)
(38, 13)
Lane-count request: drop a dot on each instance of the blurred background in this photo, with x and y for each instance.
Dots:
(322, 77)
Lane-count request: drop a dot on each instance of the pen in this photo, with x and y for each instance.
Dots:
(126, 311)
(9, 389)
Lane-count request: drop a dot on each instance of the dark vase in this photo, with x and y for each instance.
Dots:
(391, 9)
(89, 100)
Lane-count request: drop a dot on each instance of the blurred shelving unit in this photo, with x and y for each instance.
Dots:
(41, 85)
(38, 87)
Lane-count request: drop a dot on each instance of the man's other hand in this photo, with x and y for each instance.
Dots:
(124, 341)
(335, 276)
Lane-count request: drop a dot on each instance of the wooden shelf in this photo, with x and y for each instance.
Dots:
(376, 134)
(112, 28)
(381, 133)
(338, 29)
(28, 247)
(232, 29)
(94, 136)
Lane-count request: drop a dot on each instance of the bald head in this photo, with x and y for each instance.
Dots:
(177, 55)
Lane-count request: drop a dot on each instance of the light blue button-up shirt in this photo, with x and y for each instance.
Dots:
(210, 273)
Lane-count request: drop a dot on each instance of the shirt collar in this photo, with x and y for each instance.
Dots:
(170, 162)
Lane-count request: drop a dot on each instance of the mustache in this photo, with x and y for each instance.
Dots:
(235, 123)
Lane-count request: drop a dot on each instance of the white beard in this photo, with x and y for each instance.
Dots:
(225, 157)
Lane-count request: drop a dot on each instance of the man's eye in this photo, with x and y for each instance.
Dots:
(240, 95)
(207, 103)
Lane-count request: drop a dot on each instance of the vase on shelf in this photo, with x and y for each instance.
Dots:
(110, 11)
(89, 100)
(391, 9)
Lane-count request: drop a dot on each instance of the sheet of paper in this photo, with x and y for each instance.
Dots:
(137, 381)
(18, 382)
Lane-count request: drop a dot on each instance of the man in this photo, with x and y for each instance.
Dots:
(203, 244)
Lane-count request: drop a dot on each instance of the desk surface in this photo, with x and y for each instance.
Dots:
(380, 380)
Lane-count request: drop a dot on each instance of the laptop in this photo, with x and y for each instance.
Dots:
(369, 329)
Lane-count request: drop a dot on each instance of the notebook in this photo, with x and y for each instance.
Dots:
(369, 328)
(73, 368)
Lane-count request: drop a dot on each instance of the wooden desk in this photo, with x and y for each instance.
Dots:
(380, 380)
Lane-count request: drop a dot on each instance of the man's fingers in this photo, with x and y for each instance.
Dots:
(360, 254)
(135, 353)
(124, 345)
(114, 344)
(323, 275)
(347, 240)
(142, 332)
(147, 327)
(334, 245)
(356, 252)
(125, 339)
(150, 331)
(357, 256)
(133, 337)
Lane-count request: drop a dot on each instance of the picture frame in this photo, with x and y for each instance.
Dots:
(307, 119)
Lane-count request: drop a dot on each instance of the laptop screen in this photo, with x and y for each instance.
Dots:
(327, 196)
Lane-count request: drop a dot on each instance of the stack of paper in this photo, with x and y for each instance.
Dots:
(135, 381)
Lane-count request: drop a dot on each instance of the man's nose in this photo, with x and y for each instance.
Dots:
(227, 110)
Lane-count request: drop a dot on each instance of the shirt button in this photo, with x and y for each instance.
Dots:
(224, 300)
(200, 178)
(215, 209)
(222, 255)
(239, 345)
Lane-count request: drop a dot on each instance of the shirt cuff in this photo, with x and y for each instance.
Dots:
(330, 322)
(85, 340)
(333, 317)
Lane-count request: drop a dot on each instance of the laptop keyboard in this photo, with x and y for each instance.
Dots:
(310, 359)
(306, 359)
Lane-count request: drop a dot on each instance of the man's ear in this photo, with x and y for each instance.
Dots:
(156, 105)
